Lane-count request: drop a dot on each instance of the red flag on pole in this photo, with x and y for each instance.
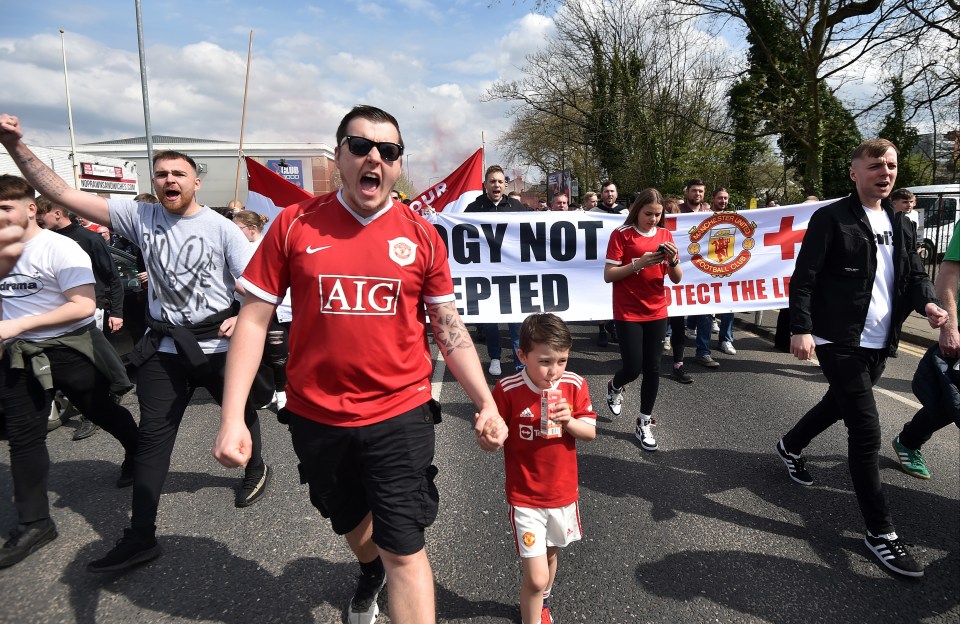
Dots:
(456, 191)
(269, 192)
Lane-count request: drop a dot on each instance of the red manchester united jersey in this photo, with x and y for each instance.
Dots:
(639, 297)
(358, 342)
(541, 473)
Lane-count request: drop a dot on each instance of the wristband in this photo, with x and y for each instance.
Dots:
(633, 265)
(674, 263)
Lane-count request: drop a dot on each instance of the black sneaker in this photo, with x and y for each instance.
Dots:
(682, 376)
(795, 465)
(603, 339)
(252, 487)
(363, 607)
(130, 550)
(126, 474)
(25, 540)
(612, 328)
(85, 430)
(893, 553)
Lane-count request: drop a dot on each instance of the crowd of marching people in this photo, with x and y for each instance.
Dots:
(366, 273)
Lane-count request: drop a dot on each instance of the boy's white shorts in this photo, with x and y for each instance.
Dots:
(535, 529)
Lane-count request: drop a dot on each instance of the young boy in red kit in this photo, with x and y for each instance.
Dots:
(540, 455)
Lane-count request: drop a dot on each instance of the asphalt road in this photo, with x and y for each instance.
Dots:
(707, 529)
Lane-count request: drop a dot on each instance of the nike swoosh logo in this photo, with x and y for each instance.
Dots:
(313, 250)
(43, 368)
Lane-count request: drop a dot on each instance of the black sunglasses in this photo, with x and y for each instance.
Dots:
(360, 146)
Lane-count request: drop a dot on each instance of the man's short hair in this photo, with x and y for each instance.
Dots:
(873, 148)
(514, 194)
(147, 198)
(607, 183)
(371, 114)
(173, 155)
(588, 196)
(493, 169)
(44, 206)
(14, 187)
(692, 182)
(719, 189)
(545, 328)
(901, 194)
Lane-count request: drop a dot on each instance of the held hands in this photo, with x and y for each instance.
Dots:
(490, 429)
(233, 446)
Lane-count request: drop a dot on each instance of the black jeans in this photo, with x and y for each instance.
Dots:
(26, 406)
(641, 344)
(165, 387)
(851, 373)
(924, 424)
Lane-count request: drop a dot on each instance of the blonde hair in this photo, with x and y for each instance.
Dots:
(251, 219)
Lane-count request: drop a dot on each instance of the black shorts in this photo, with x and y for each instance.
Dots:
(385, 469)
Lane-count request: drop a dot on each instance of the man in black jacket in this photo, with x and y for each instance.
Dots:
(495, 200)
(856, 280)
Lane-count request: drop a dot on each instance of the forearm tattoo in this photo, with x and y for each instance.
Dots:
(42, 177)
(448, 330)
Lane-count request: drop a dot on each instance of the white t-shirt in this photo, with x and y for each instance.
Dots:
(50, 265)
(877, 327)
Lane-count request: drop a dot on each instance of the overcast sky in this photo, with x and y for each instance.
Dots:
(426, 61)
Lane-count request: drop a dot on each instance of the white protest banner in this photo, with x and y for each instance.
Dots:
(506, 266)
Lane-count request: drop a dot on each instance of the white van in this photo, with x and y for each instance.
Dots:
(938, 206)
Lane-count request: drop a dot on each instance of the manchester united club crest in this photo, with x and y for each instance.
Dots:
(402, 250)
(720, 245)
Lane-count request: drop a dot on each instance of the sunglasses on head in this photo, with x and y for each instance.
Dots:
(360, 146)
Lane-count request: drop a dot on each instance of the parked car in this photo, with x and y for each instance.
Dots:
(937, 206)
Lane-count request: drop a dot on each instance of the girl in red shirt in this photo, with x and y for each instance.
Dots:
(639, 256)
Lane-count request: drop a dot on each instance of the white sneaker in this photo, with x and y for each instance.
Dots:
(281, 399)
(645, 435)
(690, 333)
(666, 346)
(614, 399)
(495, 368)
(715, 328)
(727, 347)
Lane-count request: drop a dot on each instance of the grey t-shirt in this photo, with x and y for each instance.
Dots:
(192, 262)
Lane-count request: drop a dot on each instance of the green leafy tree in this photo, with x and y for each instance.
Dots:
(900, 133)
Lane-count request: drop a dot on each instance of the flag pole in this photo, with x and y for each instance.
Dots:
(148, 131)
(243, 119)
(483, 153)
(73, 143)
